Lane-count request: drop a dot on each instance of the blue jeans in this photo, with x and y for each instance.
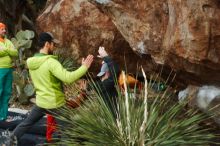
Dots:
(5, 91)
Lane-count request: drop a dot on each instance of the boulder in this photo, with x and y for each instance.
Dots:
(205, 98)
(178, 35)
(82, 28)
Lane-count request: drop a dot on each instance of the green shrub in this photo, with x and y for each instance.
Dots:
(155, 121)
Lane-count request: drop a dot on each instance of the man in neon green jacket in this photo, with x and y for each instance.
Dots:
(7, 51)
(47, 75)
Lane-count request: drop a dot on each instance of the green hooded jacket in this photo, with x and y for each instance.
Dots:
(6, 53)
(47, 75)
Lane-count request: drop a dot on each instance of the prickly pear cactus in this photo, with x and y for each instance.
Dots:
(22, 84)
(29, 90)
(23, 39)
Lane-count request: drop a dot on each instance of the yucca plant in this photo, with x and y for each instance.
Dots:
(139, 121)
(68, 62)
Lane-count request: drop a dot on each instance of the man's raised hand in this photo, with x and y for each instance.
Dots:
(88, 61)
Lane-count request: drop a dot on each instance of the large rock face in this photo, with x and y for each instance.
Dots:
(181, 34)
(82, 28)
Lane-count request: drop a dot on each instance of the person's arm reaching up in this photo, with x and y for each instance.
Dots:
(68, 77)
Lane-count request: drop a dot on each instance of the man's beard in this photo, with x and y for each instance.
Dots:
(50, 52)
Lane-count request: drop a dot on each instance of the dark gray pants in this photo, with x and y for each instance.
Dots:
(35, 115)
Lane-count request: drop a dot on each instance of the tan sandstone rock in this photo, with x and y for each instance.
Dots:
(181, 34)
